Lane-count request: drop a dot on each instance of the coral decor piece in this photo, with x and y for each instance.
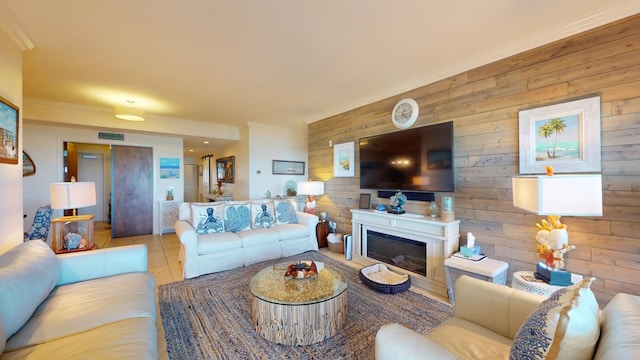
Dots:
(301, 270)
(553, 241)
(549, 170)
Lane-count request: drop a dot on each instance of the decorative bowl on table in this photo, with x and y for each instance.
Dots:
(303, 269)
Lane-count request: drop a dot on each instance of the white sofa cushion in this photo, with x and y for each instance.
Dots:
(291, 231)
(219, 242)
(620, 330)
(82, 306)
(134, 338)
(258, 237)
(263, 215)
(28, 273)
(237, 216)
(565, 326)
(208, 218)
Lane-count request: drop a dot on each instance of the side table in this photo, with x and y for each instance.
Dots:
(526, 280)
(322, 231)
(490, 270)
(168, 213)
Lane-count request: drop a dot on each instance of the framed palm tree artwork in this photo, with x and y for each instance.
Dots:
(565, 136)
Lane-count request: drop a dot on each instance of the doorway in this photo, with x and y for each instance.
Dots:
(91, 168)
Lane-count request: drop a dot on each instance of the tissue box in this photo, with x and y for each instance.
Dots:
(468, 252)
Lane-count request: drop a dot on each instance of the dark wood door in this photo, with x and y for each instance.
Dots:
(131, 191)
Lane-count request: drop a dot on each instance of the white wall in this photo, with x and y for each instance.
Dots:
(43, 142)
(268, 143)
(11, 175)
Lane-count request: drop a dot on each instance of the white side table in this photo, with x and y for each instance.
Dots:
(490, 270)
(523, 280)
(168, 214)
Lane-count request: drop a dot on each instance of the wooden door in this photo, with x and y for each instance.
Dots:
(131, 191)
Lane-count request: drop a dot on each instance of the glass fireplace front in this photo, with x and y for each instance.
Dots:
(404, 253)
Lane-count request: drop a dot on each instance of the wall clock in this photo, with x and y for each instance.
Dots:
(405, 113)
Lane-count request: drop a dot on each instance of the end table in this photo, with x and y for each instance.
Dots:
(81, 225)
(526, 280)
(322, 231)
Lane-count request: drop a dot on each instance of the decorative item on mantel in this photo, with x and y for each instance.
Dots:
(447, 209)
(552, 195)
(396, 202)
(433, 209)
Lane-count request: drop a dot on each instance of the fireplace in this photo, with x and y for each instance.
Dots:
(401, 252)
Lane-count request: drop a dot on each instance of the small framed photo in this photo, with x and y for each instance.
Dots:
(9, 121)
(344, 160)
(565, 136)
(283, 167)
(365, 201)
(226, 169)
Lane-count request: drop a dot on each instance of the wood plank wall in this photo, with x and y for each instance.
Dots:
(484, 104)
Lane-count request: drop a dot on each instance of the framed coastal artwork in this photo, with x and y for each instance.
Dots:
(565, 136)
(344, 160)
(284, 167)
(8, 132)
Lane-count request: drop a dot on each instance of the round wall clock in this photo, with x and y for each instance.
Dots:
(405, 113)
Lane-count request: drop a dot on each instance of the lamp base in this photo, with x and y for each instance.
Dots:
(556, 277)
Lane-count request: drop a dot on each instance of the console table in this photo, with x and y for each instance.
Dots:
(441, 240)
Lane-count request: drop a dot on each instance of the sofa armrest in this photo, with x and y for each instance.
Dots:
(308, 220)
(94, 264)
(498, 308)
(394, 341)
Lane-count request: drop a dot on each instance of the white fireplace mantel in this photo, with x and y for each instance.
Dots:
(441, 239)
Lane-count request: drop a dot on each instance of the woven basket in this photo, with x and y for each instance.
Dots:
(337, 247)
(383, 287)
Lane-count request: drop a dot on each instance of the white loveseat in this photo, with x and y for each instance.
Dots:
(97, 304)
(219, 236)
(496, 322)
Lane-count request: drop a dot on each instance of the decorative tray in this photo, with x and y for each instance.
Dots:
(382, 279)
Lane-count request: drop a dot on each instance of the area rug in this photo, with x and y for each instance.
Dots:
(209, 317)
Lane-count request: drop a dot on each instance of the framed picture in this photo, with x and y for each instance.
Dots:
(565, 136)
(226, 169)
(8, 132)
(283, 167)
(344, 160)
(365, 201)
(169, 168)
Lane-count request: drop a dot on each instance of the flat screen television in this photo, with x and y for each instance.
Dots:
(417, 159)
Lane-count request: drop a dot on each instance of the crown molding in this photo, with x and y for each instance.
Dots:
(11, 25)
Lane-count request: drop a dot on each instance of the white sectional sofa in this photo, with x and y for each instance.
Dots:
(219, 236)
(97, 304)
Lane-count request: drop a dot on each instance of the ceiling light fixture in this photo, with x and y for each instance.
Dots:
(129, 112)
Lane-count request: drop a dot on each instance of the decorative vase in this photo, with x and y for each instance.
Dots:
(433, 209)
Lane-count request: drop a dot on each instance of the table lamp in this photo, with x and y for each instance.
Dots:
(555, 196)
(69, 230)
(311, 189)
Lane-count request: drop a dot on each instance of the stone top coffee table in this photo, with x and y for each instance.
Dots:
(291, 311)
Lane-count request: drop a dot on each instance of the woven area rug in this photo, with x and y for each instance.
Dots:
(209, 317)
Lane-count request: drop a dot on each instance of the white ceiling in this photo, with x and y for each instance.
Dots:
(286, 62)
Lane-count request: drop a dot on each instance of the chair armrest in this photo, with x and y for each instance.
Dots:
(498, 308)
(308, 220)
(394, 341)
(94, 264)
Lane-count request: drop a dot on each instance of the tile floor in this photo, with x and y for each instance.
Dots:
(164, 264)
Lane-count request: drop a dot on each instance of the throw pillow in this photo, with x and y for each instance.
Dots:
(285, 212)
(237, 217)
(564, 326)
(207, 219)
(262, 215)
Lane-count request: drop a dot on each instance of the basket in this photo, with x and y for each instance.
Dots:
(381, 279)
(336, 247)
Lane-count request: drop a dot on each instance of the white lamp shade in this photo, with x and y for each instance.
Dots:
(311, 187)
(571, 195)
(72, 195)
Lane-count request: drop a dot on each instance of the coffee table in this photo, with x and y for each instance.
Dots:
(298, 311)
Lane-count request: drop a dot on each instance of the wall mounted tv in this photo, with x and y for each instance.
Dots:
(418, 159)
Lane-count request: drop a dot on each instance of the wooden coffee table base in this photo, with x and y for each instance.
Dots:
(299, 324)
